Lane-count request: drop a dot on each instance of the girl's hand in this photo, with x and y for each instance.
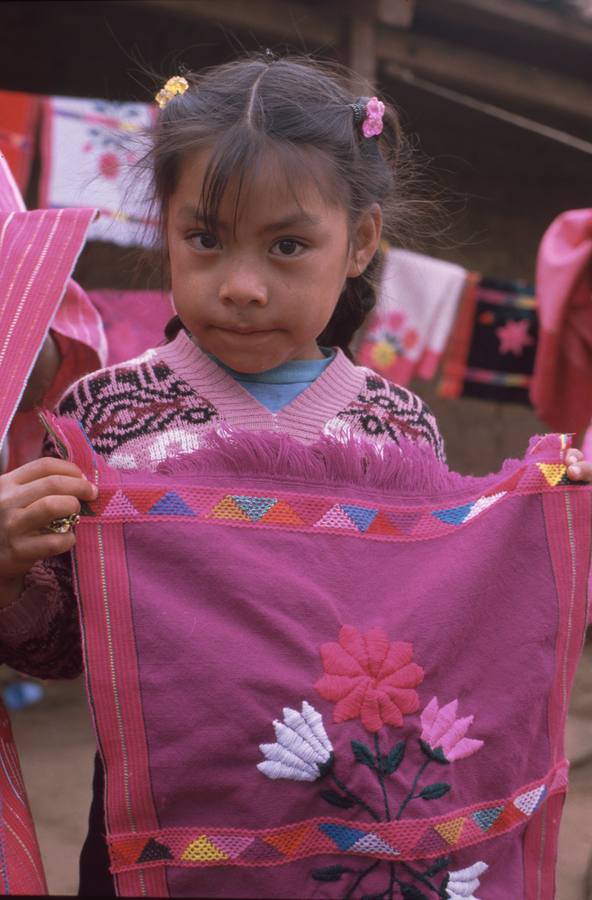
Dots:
(577, 467)
(30, 498)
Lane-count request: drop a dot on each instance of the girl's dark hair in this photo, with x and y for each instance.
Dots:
(293, 107)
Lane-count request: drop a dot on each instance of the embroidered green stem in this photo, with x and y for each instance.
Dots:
(412, 795)
(360, 878)
(380, 774)
(420, 877)
(353, 797)
(392, 880)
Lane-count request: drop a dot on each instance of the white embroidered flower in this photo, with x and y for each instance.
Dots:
(303, 751)
(461, 884)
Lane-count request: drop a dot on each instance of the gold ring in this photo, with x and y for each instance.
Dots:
(63, 525)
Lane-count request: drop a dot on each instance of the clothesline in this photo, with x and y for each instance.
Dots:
(553, 134)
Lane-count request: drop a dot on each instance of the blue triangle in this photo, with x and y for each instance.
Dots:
(485, 818)
(171, 505)
(255, 507)
(360, 515)
(341, 835)
(454, 516)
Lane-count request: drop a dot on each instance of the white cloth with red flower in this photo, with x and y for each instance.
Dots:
(407, 332)
(90, 155)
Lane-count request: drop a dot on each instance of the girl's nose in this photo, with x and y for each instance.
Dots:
(243, 285)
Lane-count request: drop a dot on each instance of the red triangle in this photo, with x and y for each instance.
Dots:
(99, 505)
(508, 485)
(308, 509)
(281, 514)
(510, 816)
(382, 525)
(144, 499)
(124, 852)
(288, 842)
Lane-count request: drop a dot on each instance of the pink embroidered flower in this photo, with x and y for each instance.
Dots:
(109, 165)
(369, 678)
(372, 126)
(441, 729)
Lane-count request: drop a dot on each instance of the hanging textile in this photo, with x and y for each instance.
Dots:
(278, 715)
(133, 320)
(18, 122)
(561, 390)
(491, 355)
(90, 155)
(407, 331)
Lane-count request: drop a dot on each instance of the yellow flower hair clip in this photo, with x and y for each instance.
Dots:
(175, 85)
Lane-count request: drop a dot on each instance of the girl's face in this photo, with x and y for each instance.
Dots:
(256, 292)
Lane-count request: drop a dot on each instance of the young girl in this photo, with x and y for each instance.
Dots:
(274, 186)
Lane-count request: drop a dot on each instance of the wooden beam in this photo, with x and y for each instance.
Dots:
(396, 13)
(362, 53)
(283, 19)
(560, 26)
(446, 62)
(456, 65)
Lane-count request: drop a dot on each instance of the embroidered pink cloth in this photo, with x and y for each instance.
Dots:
(38, 251)
(407, 332)
(331, 670)
(561, 389)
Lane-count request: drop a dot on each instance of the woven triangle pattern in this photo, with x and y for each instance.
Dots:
(316, 513)
(403, 840)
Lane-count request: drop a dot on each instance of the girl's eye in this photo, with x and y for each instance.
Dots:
(288, 247)
(203, 240)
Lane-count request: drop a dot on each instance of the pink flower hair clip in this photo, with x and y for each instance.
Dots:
(369, 112)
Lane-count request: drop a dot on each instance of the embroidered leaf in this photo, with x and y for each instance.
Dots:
(336, 799)
(434, 791)
(443, 892)
(330, 873)
(394, 759)
(409, 890)
(437, 754)
(363, 754)
(438, 865)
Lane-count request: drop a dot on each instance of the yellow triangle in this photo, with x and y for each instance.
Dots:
(229, 509)
(553, 472)
(203, 850)
(450, 831)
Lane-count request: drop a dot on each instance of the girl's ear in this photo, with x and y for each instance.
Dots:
(365, 240)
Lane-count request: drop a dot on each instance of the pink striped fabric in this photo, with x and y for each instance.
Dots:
(38, 251)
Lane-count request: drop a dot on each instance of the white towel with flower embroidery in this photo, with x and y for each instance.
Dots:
(407, 332)
(90, 157)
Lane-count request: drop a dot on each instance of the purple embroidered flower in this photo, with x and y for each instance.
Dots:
(462, 884)
(302, 752)
(372, 126)
(442, 730)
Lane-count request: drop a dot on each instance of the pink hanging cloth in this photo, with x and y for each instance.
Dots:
(561, 389)
(38, 251)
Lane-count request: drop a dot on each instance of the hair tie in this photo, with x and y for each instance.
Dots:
(175, 85)
(369, 113)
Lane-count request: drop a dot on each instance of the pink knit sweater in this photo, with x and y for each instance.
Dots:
(161, 405)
